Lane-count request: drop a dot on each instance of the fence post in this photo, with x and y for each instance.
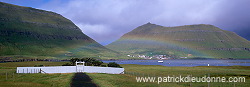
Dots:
(6, 76)
(208, 85)
(13, 76)
(190, 84)
(234, 84)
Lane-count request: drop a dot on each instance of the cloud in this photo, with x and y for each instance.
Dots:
(235, 16)
(97, 31)
(27, 3)
(182, 12)
(107, 20)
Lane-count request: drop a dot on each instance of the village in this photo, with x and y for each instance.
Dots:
(160, 56)
(163, 57)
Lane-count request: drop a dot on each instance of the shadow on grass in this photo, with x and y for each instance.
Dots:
(82, 80)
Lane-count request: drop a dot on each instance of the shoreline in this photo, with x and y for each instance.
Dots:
(181, 59)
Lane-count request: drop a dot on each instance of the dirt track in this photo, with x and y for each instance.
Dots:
(82, 80)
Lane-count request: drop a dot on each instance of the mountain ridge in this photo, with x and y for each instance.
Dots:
(195, 39)
(34, 32)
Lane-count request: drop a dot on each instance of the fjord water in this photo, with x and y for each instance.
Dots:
(185, 62)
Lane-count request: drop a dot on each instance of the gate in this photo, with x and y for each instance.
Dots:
(79, 66)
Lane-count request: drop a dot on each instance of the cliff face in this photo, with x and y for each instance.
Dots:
(29, 31)
(183, 41)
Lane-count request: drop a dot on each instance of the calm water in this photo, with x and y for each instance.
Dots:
(185, 62)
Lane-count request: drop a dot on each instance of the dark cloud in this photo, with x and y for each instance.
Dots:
(107, 20)
(235, 16)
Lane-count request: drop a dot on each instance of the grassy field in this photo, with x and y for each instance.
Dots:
(32, 80)
(129, 80)
(122, 80)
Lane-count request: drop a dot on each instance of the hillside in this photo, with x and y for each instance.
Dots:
(191, 41)
(27, 31)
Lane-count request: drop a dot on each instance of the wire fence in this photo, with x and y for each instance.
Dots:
(12, 75)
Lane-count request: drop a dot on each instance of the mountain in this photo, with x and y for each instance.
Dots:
(201, 40)
(26, 31)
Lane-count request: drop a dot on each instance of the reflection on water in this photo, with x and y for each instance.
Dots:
(185, 62)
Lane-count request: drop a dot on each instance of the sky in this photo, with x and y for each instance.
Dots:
(107, 20)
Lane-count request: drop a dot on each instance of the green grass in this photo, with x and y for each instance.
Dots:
(121, 80)
(30, 64)
(128, 80)
(32, 80)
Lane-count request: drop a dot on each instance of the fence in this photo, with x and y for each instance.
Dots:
(10, 75)
(70, 69)
(109, 70)
(10, 78)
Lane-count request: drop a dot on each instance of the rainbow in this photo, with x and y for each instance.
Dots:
(171, 44)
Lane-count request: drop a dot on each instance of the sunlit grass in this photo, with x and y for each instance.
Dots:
(128, 80)
(30, 64)
(121, 80)
(32, 80)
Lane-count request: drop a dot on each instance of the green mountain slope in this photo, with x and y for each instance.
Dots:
(183, 41)
(33, 32)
